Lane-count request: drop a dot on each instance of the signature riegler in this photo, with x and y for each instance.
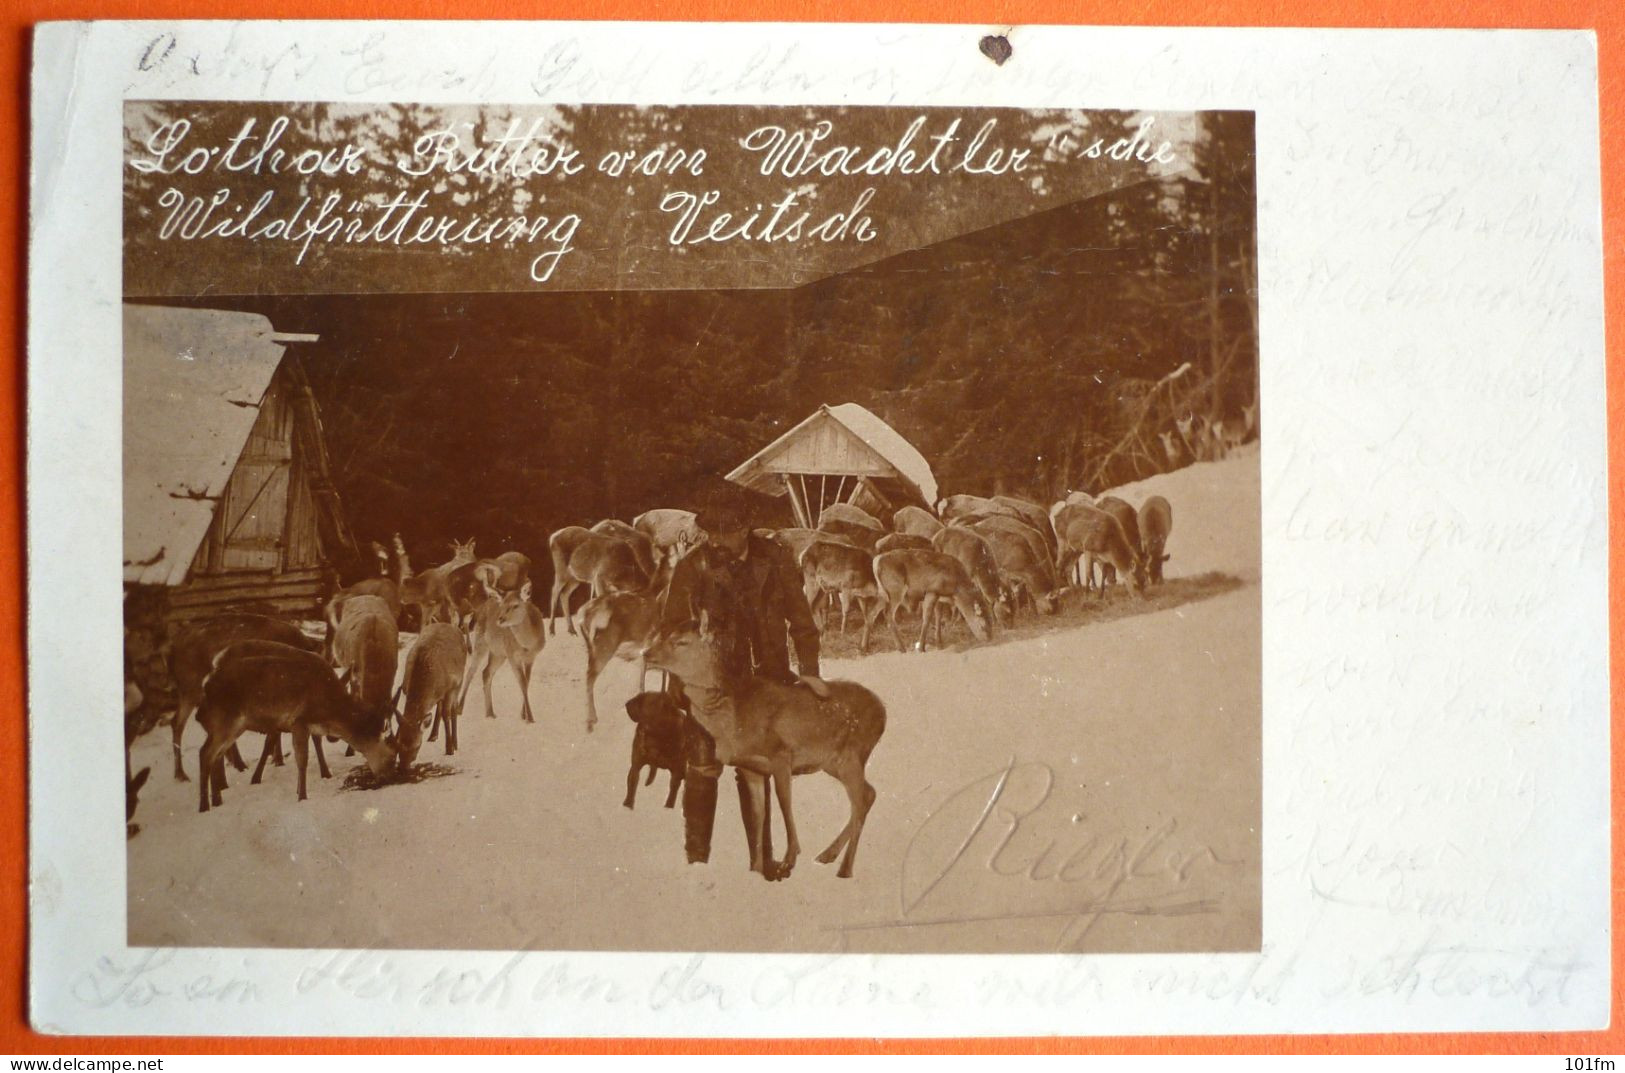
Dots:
(1011, 839)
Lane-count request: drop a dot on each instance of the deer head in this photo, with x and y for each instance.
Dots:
(512, 613)
(462, 552)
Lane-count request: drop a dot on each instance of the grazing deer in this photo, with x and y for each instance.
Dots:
(383, 588)
(974, 554)
(1095, 535)
(1034, 515)
(1156, 522)
(582, 557)
(432, 682)
(294, 692)
(1126, 516)
(366, 646)
(1024, 562)
(618, 624)
(910, 579)
(273, 742)
(771, 731)
(849, 574)
(509, 629)
(192, 655)
(430, 591)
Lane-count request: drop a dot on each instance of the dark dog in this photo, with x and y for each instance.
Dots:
(658, 743)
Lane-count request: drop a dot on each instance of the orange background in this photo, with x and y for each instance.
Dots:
(1606, 17)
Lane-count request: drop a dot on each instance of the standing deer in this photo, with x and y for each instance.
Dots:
(509, 629)
(432, 683)
(618, 624)
(581, 557)
(768, 730)
(1094, 535)
(294, 692)
(366, 646)
(849, 574)
(192, 655)
(1156, 522)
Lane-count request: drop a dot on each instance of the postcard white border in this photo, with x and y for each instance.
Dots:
(1432, 346)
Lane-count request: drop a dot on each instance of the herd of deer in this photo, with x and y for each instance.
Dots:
(981, 557)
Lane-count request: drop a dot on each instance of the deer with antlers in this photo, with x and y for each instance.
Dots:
(430, 591)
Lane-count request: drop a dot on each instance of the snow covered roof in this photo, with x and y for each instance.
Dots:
(845, 439)
(193, 383)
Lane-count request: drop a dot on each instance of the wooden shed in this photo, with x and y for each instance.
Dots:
(840, 454)
(228, 501)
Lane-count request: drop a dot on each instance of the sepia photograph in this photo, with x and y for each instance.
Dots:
(809, 530)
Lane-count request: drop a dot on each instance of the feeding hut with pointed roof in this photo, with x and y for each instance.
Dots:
(840, 454)
(228, 502)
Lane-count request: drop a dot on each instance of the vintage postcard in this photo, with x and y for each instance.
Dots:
(815, 530)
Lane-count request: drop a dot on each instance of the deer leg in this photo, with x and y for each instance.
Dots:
(184, 707)
(521, 670)
(485, 684)
(676, 782)
(792, 845)
(846, 603)
(553, 602)
(859, 816)
(595, 666)
(434, 725)
(928, 608)
(301, 757)
(265, 754)
(871, 613)
(753, 809)
(203, 761)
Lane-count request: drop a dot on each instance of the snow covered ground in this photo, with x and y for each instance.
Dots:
(1091, 788)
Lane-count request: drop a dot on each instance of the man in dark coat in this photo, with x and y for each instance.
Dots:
(751, 589)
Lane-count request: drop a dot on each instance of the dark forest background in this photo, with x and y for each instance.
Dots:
(1014, 357)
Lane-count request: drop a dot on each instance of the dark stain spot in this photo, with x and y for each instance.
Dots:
(996, 47)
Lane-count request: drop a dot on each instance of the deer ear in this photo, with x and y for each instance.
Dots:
(524, 591)
(705, 624)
